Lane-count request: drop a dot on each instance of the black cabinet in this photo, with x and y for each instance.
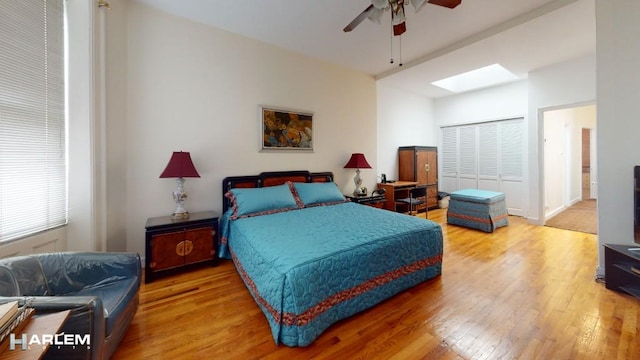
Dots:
(175, 244)
(622, 268)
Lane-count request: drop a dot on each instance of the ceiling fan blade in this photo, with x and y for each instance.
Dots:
(446, 3)
(360, 18)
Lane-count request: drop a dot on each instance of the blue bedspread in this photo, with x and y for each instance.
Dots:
(309, 268)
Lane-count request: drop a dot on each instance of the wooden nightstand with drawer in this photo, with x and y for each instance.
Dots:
(173, 245)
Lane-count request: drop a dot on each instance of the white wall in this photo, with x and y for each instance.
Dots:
(618, 56)
(81, 229)
(496, 103)
(195, 88)
(557, 86)
(554, 164)
(116, 125)
(404, 119)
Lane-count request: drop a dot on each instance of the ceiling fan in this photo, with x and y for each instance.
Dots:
(377, 7)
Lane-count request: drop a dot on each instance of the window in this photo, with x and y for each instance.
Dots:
(32, 117)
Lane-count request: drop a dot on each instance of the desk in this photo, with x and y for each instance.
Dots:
(396, 190)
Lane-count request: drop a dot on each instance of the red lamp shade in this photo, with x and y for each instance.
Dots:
(180, 166)
(357, 161)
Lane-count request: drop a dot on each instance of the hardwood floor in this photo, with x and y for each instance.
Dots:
(522, 292)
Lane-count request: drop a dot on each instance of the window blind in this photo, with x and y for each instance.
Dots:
(32, 117)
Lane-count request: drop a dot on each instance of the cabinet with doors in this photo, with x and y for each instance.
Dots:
(420, 164)
(172, 245)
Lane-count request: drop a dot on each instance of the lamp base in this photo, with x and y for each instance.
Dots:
(180, 216)
(179, 195)
(358, 182)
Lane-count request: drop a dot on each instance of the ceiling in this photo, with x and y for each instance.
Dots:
(521, 35)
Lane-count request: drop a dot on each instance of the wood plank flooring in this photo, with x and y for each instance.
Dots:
(522, 292)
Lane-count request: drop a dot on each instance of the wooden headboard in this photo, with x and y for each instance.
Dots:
(270, 178)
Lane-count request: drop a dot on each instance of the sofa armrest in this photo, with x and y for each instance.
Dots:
(86, 317)
(69, 272)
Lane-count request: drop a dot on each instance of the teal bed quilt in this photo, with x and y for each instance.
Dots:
(311, 267)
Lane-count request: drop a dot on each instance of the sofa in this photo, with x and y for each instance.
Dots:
(101, 290)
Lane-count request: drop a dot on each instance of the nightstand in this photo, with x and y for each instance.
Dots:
(376, 201)
(172, 245)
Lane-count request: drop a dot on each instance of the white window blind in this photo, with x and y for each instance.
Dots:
(32, 117)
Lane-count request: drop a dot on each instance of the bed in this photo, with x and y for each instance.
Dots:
(309, 258)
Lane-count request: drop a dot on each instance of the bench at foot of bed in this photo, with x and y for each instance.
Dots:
(478, 209)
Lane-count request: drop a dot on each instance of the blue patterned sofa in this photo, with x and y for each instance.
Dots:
(100, 289)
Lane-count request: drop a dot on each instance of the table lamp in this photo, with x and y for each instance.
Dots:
(358, 162)
(180, 166)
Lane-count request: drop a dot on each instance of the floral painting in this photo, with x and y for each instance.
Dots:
(286, 129)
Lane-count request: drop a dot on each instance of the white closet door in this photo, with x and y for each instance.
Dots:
(449, 160)
(488, 156)
(468, 170)
(511, 169)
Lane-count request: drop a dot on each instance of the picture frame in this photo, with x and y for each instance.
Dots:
(285, 129)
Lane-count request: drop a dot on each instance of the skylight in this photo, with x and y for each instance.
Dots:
(475, 79)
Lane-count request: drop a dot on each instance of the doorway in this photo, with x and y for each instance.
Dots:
(570, 175)
(586, 164)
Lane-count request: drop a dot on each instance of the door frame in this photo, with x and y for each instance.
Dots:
(541, 157)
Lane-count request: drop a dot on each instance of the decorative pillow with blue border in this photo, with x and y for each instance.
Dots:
(320, 193)
(259, 201)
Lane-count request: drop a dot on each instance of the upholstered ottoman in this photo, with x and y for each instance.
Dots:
(478, 209)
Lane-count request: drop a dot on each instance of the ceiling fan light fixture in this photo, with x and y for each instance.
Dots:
(375, 15)
(380, 4)
(398, 18)
(374, 12)
(418, 4)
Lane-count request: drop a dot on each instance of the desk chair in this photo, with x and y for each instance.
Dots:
(417, 196)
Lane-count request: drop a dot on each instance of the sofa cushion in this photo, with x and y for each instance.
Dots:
(116, 295)
(8, 284)
(68, 273)
(27, 274)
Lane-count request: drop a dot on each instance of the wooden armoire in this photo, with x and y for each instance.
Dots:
(420, 164)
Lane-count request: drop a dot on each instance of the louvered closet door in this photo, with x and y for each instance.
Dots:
(488, 156)
(511, 165)
(468, 158)
(449, 151)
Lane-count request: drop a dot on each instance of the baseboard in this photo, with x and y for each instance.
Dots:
(533, 221)
(555, 212)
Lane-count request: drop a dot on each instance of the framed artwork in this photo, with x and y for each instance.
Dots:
(286, 129)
